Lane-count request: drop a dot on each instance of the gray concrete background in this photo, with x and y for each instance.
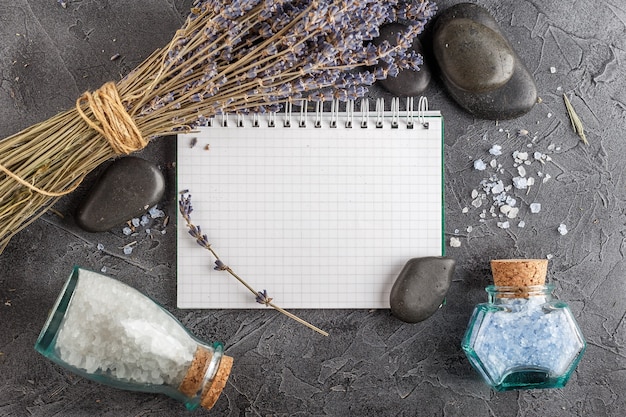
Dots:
(373, 364)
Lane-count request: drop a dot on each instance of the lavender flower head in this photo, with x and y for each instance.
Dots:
(251, 55)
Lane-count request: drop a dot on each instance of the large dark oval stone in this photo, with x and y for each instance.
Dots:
(501, 94)
(463, 41)
(126, 189)
(407, 83)
(421, 288)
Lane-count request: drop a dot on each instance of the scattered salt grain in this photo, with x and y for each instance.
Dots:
(469, 229)
(103, 269)
(144, 220)
(465, 210)
(479, 165)
(562, 229)
(546, 178)
(496, 150)
(521, 171)
(521, 224)
(455, 242)
(474, 193)
(520, 183)
(128, 250)
(154, 212)
(535, 207)
(127, 231)
(135, 222)
(549, 256)
(100, 246)
(503, 225)
(552, 70)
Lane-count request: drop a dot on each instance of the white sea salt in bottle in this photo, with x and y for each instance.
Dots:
(522, 338)
(111, 333)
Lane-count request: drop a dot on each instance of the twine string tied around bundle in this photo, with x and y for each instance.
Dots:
(112, 121)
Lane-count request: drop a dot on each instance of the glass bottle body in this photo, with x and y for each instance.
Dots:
(111, 333)
(523, 339)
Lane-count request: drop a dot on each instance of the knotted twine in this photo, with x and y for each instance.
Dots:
(112, 121)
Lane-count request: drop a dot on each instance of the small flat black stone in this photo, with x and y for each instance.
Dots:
(407, 83)
(463, 31)
(421, 288)
(126, 189)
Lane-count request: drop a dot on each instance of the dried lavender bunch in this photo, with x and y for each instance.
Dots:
(261, 297)
(229, 56)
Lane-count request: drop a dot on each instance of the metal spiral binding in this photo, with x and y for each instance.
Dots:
(395, 112)
(334, 113)
(272, 119)
(380, 112)
(288, 110)
(349, 114)
(409, 113)
(422, 108)
(413, 116)
(304, 105)
(319, 110)
(365, 112)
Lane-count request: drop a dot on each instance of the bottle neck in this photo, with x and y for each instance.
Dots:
(535, 292)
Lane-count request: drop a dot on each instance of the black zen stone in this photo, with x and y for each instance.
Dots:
(421, 288)
(407, 83)
(126, 189)
(479, 67)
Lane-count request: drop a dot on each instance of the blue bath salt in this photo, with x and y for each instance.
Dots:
(517, 337)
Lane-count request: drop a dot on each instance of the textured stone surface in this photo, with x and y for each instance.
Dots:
(128, 188)
(372, 364)
(479, 68)
(421, 288)
(473, 57)
(407, 83)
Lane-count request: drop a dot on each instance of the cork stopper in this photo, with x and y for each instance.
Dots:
(193, 381)
(519, 272)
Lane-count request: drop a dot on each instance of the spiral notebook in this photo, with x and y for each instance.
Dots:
(319, 207)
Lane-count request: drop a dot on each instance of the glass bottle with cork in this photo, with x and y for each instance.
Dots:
(523, 338)
(107, 331)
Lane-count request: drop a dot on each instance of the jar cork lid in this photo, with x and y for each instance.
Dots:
(519, 272)
(195, 379)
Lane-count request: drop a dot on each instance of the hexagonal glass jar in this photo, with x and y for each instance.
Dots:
(522, 339)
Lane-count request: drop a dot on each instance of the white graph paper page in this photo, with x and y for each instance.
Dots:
(319, 217)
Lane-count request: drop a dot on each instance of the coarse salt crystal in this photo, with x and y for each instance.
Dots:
(535, 207)
(465, 210)
(552, 70)
(521, 224)
(455, 242)
(562, 229)
(496, 150)
(503, 225)
(479, 165)
(520, 183)
(521, 171)
(474, 193)
(498, 187)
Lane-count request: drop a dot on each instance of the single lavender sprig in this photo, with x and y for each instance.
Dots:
(261, 297)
